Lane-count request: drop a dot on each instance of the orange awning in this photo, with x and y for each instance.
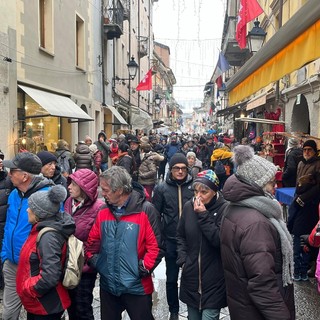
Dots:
(302, 50)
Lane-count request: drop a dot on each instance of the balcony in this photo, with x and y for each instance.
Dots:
(113, 20)
(234, 55)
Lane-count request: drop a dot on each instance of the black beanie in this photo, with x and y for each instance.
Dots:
(178, 158)
(202, 140)
(312, 144)
(46, 157)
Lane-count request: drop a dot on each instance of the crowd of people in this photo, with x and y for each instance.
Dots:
(203, 203)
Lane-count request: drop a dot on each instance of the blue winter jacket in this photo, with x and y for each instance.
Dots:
(17, 227)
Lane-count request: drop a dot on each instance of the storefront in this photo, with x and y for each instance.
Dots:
(44, 118)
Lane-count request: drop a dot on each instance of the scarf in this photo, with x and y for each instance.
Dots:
(271, 209)
(76, 204)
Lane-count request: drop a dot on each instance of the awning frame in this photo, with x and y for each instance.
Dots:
(117, 115)
(55, 105)
(232, 109)
(259, 120)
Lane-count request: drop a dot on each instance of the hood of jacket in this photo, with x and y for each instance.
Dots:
(221, 153)
(87, 180)
(82, 148)
(62, 222)
(237, 189)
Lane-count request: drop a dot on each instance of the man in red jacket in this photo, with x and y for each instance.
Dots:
(125, 246)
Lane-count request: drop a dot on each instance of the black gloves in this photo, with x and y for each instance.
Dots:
(304, 243)
(143, 272)
(304, 240)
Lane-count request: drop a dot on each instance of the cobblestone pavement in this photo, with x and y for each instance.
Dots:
(306, 297)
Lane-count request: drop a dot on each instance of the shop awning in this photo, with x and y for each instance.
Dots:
(257, 101)
(231, 110)
(141, 120)
(55, 105)
(294, 45)
(116, 113)
(259, 120)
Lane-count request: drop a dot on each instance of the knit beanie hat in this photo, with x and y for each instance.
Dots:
(252, 167)
(46, 204)
(93, 148)
(293, 143)
(191, 154)
(144, 139)
(46, 157)
(178, 158)
(312, 144)
(202, 140)
(208, 178)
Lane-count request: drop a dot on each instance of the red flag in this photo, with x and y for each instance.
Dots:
(219, 82)
(146, 82)
(249, 10)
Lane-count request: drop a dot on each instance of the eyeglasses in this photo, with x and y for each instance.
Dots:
(183, 169)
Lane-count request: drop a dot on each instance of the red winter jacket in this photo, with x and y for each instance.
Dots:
(130, 247)
(40, 268)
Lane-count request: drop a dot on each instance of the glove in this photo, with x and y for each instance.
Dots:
(143, 272)
(304, 240)
(304, 243)
(299, 202)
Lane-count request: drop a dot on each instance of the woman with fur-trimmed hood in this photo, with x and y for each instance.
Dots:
(256, 247)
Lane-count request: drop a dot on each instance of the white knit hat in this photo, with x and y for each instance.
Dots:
(252, 167)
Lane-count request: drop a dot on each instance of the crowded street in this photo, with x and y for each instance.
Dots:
(306, 296)
(160, 160)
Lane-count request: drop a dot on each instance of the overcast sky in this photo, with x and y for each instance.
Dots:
(192, 29)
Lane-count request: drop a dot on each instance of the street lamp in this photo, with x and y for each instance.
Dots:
(256, 37)
(132, 69)
(157, 99)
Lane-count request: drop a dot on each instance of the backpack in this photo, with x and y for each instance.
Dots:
(74, 259)
(219, 167)
(64, 163)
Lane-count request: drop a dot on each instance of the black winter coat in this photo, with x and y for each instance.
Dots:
(202, 279)
(293, 157)
(252, 260)
(166, 201)
(83, 157)
(126, 162)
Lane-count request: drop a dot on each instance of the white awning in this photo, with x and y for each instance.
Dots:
(55, 105)
(117, 115)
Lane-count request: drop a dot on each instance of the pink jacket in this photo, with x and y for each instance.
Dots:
(85, 216)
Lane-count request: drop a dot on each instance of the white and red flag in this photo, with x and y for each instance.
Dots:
(146, 83)
(249, 10)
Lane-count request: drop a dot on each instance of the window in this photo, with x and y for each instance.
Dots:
(46, 25)
(80, 52)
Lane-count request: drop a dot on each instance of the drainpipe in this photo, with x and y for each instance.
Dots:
(129, 102)
(139, 39)
(102, 55)
(278, 98)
